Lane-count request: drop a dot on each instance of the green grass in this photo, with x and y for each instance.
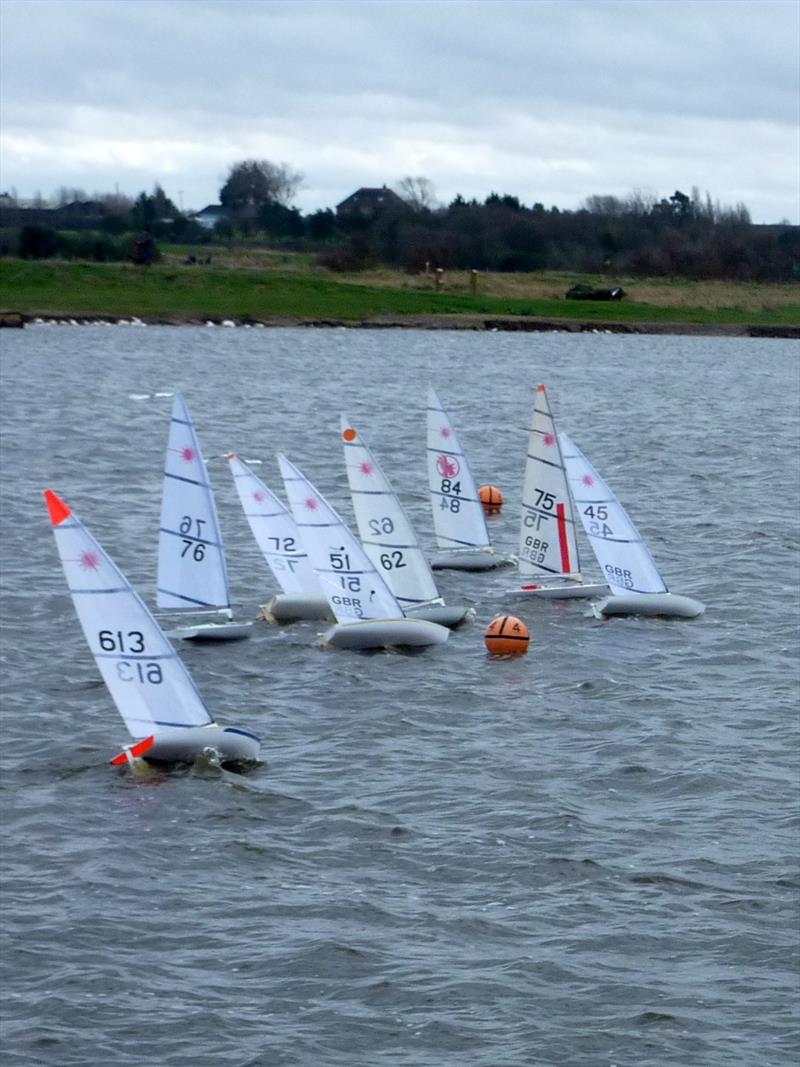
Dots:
(175, 292)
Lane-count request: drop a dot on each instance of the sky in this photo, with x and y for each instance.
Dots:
(551, 101)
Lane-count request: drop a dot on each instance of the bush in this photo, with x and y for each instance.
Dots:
(38, 242)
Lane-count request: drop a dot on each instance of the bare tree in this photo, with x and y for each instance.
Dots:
(418, 193)
(256, 182)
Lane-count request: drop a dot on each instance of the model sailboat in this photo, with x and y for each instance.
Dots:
(192, 575)
(151, 687)
(458, 519)
(278, 538)
(388, 537)
(367, 613)
(549, 559)
(636, 585)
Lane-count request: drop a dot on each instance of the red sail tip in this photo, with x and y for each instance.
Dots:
(230, 455)
(133, 751)
(56, 507)
(539, 388)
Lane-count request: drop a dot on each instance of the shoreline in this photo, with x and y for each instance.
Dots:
(475, 323)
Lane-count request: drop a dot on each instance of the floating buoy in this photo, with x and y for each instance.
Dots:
(491, 498)
(507, 636)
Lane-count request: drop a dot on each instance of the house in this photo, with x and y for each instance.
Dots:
(367, 204)
(210, 216)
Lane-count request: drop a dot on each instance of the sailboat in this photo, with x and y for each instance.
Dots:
(153, 690)
(458, 519)
(636, 585)
(367, 613)
(192, 575)
(548, 557)
(388, 537)
(278, 538)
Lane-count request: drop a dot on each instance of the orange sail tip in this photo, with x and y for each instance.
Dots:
(56, 507)
(230, 455)
(539, 388)
(134, 751)
(349, 434)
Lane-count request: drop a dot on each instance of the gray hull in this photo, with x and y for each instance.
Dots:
(386, 633)
(567, 591)
(213, 631)
(295, 607)
(469, 560)
(184, 744)
(443, 614)
(663, 605)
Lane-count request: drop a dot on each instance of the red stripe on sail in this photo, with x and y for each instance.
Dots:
(563, 543)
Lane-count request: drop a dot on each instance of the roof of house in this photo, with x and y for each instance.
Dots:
(370, 198)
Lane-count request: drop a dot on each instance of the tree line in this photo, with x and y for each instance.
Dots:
(680, 235)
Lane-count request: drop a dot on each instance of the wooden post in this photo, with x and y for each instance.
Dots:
(439, 274)
(473, 282)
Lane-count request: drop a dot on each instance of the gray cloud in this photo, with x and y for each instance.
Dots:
(549, 101)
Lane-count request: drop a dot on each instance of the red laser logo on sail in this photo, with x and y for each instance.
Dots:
(447, 466)
(89, 561)
(549, 440)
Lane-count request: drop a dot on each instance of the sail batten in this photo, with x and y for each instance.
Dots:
(355, 589)
(144, 675)
(191, 555)
(620, 549)
(275, 531)
(458, 517)
(547, 541)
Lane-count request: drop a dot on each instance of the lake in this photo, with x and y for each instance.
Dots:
(585, 856)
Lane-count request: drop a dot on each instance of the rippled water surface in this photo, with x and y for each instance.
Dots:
(586, 856)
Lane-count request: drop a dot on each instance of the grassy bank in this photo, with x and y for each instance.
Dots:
(295, 291)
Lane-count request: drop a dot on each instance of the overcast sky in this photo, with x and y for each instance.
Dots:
(548, 101)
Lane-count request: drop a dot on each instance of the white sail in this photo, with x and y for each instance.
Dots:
(385, 531)
(275, 531)
(191, 557)
(547, 542)
(146, 679)
(354, 588)
(458, 517)
(621, 552)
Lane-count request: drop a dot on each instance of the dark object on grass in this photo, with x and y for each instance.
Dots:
(585, 292)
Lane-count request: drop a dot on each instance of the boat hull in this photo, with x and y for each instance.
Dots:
(568, 591)
(213, 631)
(443, 614)
(477, 560)
(184, 744)
(662, 605)
(386, 633)
(295, 607)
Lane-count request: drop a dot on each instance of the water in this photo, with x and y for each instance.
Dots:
(587, 856)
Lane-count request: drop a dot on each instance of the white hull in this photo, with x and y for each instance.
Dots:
(184, 745)
(663, 605)
(443, 614)
(295, 607)
(213, 631)
(470, 560)
(568, 591)
(386, 633)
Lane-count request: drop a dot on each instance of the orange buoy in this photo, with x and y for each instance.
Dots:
(507, 636)
(491, 498)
